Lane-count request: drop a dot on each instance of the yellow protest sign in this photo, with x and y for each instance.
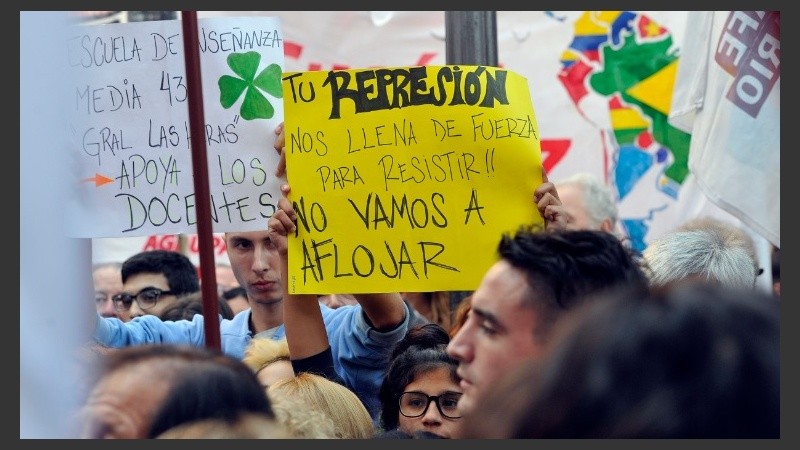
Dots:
(405, 178)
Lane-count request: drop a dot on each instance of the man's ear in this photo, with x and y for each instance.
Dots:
(606, 226)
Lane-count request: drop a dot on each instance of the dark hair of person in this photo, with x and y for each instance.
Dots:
(423, 348)
(180, 272)
(237, 291)
(212, 387)
(397, 433)
(187, 306)
(775, 258)
(564, 266)
(694, 361)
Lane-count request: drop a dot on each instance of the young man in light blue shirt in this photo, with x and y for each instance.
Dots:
(361, 336)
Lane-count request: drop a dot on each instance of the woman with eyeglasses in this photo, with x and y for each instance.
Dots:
(420, 391)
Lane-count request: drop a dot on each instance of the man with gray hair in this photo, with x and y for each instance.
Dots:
(589, 204)
(107, 279)
(703, 249)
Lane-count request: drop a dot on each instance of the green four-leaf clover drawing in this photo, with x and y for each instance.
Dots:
(255, 105)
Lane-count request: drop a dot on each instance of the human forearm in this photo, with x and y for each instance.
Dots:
(302, 318)
(384, 310)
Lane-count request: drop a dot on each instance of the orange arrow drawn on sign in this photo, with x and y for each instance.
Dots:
(99, 180)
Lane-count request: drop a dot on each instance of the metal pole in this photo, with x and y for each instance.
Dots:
(471, 37)
(191, 51)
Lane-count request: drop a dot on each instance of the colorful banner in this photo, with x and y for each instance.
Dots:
(727, 94)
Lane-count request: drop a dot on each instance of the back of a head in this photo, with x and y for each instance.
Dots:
(598, 198)
(427, 335)
(177, 268)
(235, 299)
(210, 385)
(776, 271)
(145, 371)
(126, 357)
(697, 361)
(184, 308)
(422, 349)
(732, 235)
(234, 292)
(307, 403)
(397, 433)
(243, 426)
(564, 268)
(173, 384)
(262, 352)
(707, 250)
(189, 305)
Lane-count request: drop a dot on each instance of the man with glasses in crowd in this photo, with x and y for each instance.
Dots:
(107, 280)
(153, 280)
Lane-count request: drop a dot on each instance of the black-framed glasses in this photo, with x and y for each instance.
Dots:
(415, 404)
(146, 298)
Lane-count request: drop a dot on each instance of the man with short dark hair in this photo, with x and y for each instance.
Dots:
(539, 277)
(152, 280)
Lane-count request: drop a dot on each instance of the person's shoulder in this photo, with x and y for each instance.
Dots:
(240, 320)
(241, 315)
(336, 315)
(344, 309)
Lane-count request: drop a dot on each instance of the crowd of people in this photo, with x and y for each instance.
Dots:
(569, 334)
